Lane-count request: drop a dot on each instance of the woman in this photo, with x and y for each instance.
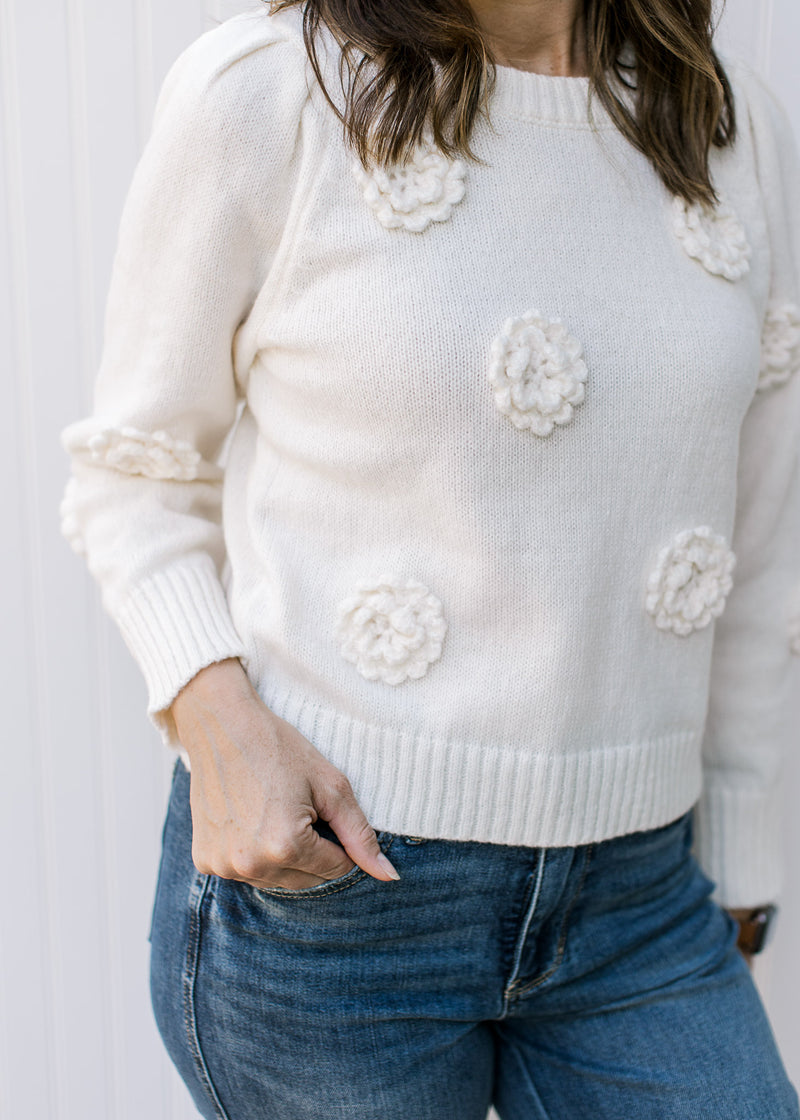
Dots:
(442, 478)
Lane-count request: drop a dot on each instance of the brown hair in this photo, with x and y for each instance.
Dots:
(424, 63)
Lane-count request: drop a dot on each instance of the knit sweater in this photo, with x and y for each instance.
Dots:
(487, 472)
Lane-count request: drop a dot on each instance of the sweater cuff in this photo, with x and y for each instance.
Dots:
(738, 844)
(175, 623)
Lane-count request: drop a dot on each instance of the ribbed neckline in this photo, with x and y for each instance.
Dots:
(553, 98)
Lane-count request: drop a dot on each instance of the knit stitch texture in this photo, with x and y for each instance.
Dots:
(487, 472)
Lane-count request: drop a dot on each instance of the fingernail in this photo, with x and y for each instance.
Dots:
(387, 867)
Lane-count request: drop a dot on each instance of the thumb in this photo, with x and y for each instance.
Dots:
(341, 810)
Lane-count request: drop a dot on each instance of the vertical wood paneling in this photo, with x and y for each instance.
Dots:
(85, 776)
(783, 71)
(68, 800)
(27, 948)
(78, 93)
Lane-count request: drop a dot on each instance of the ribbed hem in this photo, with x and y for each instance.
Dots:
(424, 786)
(737, 841)
(175, 623)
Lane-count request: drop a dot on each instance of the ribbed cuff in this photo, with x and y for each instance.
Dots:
(737, 842)
(175, 623)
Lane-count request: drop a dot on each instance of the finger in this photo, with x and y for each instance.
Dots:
(312, 861)
(287, 881)
(338, 806)
(323, 857)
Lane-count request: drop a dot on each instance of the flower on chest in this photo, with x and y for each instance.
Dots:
(412, 195)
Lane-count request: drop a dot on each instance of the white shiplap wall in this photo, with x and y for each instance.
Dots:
(84, 777)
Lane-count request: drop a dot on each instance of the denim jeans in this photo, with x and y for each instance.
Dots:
(597, 982)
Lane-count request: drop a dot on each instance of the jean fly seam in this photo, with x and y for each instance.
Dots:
(198, 894)
(517, 961)
(524, 989)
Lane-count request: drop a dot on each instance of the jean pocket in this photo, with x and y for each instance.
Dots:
(330, 886)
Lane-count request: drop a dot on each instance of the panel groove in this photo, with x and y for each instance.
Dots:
(145, 68)
(111, 1064)
(765, 36)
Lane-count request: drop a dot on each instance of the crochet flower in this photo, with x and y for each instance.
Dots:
(155, 455)
(537, 372)
(690, 582)
(714, 236)
(413, 195)
(69, 522)
(780, 344)
(391, 629)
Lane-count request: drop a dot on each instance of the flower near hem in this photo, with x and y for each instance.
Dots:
(537, 372)
(713, 236)
(414, 194)
(780, 344)
(70, 528)
(155, 455)
(690, 582)
(391, 629)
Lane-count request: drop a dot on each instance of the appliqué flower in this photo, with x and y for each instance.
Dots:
(69, 522)
(537, 372)
(691, 581)
(714, 236)
(413, 195)
(780, 344)
(155, 455)
(391, 629)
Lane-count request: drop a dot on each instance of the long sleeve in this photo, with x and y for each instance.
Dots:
(198, 234)
(749, 724)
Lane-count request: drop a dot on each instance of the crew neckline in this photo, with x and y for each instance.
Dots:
(551, 98)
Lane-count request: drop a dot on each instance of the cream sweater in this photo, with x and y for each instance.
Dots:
(486, 472)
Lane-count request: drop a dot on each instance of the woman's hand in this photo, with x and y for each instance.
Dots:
(257, 786)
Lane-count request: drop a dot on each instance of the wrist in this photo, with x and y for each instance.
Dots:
(215, 683)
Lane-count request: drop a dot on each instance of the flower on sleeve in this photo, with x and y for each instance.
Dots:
(127, 449)
(780, 344)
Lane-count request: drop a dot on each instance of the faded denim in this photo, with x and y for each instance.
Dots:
(597, 982)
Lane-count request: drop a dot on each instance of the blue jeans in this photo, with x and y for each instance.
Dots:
(597, 982)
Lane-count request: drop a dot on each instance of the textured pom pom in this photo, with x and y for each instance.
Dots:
(690, 582)
(155, 455)
(537, 372)
(412, 195)
(780, 344)
(713, 236)
(391, 629)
